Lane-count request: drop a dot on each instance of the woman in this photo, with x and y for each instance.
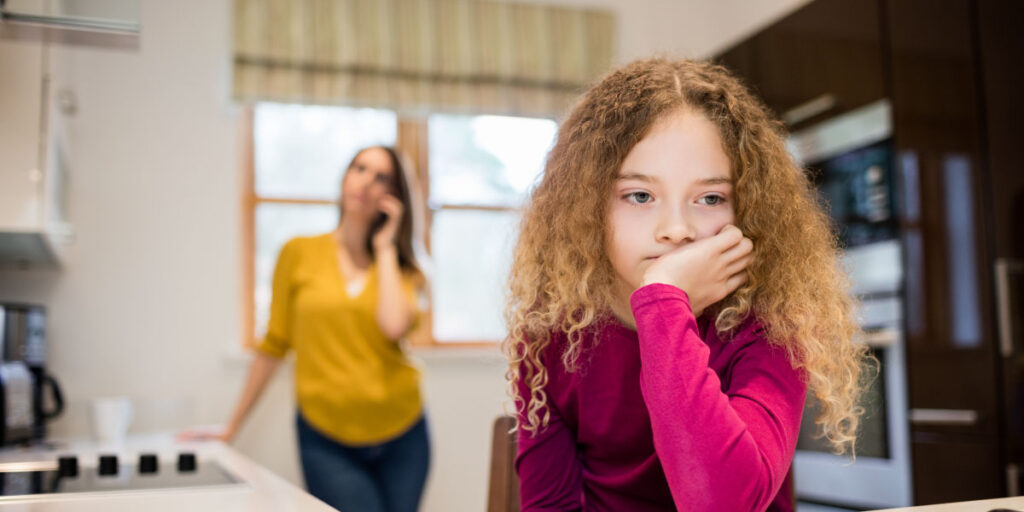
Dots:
(342, 301)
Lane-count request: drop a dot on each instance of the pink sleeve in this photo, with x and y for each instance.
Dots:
(550, 477)
(721, 450)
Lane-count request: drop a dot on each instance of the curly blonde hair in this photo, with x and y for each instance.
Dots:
(562, 279)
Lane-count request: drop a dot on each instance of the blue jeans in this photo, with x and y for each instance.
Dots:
(388, 477)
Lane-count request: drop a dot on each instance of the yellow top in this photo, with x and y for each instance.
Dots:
(352, 383)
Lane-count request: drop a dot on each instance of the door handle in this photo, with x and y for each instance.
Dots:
(810, 108)
(944, 417)
(1004, 267)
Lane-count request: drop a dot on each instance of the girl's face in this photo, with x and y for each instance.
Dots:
(370, 177)
(674, 188)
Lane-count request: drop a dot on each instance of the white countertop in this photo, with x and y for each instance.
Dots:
(261, 490)
(1015, 503)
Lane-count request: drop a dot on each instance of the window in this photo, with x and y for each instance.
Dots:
(300, 153)
(479, 171)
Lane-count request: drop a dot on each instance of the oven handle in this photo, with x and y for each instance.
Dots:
(944, 417)
(810, 108)
(882, 338)
(1004, 266)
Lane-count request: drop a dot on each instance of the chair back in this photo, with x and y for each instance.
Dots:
(503, 493)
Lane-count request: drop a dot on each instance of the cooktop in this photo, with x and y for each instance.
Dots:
(109, 473)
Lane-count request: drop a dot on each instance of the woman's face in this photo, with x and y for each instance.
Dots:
(370, 178)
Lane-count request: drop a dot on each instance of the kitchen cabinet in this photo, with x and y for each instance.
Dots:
(823, 60)
(1001, 52)
(944, 136)
(33, 157)
(951, 71)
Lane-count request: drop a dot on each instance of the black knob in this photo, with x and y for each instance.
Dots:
(67, 466)
(108, 465)
(186, 462)
(148, 463)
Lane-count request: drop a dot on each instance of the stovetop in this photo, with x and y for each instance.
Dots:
(109, 473)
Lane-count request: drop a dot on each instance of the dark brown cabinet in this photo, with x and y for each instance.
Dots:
(938, 123)
(1002, 72)
(953, 72)
(823, 60)
(1001, 55)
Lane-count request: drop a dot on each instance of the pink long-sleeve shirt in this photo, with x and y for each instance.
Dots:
(666, 417)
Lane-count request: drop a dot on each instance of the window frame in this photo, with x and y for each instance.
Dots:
(412, 139)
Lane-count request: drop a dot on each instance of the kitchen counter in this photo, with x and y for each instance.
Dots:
(258, 489)
(1008, 504)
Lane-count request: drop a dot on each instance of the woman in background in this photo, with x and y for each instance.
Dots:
(343, 301)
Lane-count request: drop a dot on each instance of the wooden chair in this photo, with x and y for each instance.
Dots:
(503, 492)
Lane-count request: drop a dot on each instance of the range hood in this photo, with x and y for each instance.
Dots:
(113, 23)
(21, 249)
(114, 16)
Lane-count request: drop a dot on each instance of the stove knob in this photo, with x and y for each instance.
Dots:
(67, 466)
(148, 463)
(108, 465)
(186, 462)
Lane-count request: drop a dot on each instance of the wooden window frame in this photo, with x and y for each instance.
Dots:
(413, 140)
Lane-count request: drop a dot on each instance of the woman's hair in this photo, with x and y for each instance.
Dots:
(562, 280)
(404, 186)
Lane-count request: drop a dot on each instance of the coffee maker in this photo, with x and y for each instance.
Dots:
(29, 396)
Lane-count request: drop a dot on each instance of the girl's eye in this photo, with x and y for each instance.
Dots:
(713, 200)
(383, 178)
(639, 197)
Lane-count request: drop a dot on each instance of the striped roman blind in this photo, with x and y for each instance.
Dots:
(454, 56)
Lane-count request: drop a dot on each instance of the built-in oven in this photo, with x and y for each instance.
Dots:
(850, 161)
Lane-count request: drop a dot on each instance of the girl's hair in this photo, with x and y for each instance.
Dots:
(408, 240)
(562, 280)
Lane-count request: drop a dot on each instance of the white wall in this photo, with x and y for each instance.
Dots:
(148, 303)
(149, 293)
(684, 28)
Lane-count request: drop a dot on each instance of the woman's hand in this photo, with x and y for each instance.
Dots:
(707, 270)
(209, 433)
(393, 209)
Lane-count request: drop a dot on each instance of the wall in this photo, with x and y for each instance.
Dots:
(148, 302)
(684, 28)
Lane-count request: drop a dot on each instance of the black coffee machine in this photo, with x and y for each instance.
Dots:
(29, 397)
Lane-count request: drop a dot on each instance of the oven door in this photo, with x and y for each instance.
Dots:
(880, 477)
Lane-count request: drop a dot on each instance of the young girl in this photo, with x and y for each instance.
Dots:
(675, 293)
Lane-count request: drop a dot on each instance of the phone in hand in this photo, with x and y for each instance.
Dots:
(378, 223)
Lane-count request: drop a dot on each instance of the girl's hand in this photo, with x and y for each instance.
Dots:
(707, 270)
(393, 208)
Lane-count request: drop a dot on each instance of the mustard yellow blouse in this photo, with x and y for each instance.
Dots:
(352, 383)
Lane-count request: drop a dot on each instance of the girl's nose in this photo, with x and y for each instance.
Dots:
(675, 227)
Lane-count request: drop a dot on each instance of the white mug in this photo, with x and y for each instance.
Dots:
(111, 417)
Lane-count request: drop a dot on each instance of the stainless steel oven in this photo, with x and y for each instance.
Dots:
(850, 160)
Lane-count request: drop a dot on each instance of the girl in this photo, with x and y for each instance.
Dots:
(343, 301)
(675, 292)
